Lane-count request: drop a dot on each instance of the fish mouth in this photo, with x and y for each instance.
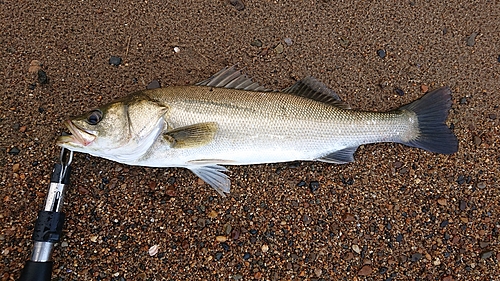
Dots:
(77, 136)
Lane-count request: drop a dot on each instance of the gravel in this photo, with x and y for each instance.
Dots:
(275, 228)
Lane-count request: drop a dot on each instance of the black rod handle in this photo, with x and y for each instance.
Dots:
(37, 271)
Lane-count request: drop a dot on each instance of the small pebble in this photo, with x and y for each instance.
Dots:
(93, 238)
(442, 201)
(344, 42)
(463, 100)
(116, 61)
(471, 40)
(218, 256)
(492, 116)
(227, 229)
(349, 217)
(177, 49)
(462, 205)
(279, 49)
(382, 270)
(416, 257)
(155, 84)
(288, 41)
(35, 66)
(365, 270)
(64, 244)
(486, 254)
(356, 249)
(498, 58)
(483, 244)
(221, 238)
(15, 168)
(477, 140)
(314, 186)
(256, 43)
(265, 248)
(246, 256)
(381, 53)
(153, 250)
(237, 277)
(399, 92)
(212, 214)
(42, 77)
(238, 4)
(14, 151)
(444, 223)
(481, 185)
(318, 272)
(447, 278)
(424, 88)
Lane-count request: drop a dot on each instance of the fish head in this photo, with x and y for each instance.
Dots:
(126, 127)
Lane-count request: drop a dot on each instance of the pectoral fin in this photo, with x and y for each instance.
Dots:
(342, 156)
(214, 176)
(191, 136)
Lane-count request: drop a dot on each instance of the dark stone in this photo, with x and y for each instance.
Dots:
(42, 77)
(463, 100)
(301, 184)
(444, 223)
(41, 110)
(461, 179)
(486, 254)
(171, 180)
(32, 86)
(381, 53)
(14, 151)
(225, 246)
(382, 270)
(399, 238)
(218, 256)
(416, 257)
(399, 91)
(313, 186)
(238, 4)
(155, 84)
(498, 59)
(388, 226)
(462, 205)
(253, 231)
(116, 61)
(246, 256)
(471, 40)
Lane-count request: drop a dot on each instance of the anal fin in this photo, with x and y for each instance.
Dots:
(214, 176)
(342, 156)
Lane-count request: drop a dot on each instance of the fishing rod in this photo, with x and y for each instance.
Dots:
(49, 224)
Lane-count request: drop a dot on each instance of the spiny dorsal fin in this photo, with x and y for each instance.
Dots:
(231, 78)
(191, 136)
(313, 89)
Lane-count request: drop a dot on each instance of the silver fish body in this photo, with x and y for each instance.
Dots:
(229, 120)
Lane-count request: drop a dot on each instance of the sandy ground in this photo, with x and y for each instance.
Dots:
(397, 213)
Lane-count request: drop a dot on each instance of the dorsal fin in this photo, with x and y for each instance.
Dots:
(231, 78)
(313, 89)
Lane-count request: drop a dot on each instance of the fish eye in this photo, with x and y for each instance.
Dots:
(95, 117)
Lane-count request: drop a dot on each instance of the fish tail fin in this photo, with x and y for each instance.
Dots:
(431, 111)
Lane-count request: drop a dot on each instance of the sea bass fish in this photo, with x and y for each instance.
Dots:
(230, 120)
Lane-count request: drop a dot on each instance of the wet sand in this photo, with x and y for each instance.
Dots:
(397, 213)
